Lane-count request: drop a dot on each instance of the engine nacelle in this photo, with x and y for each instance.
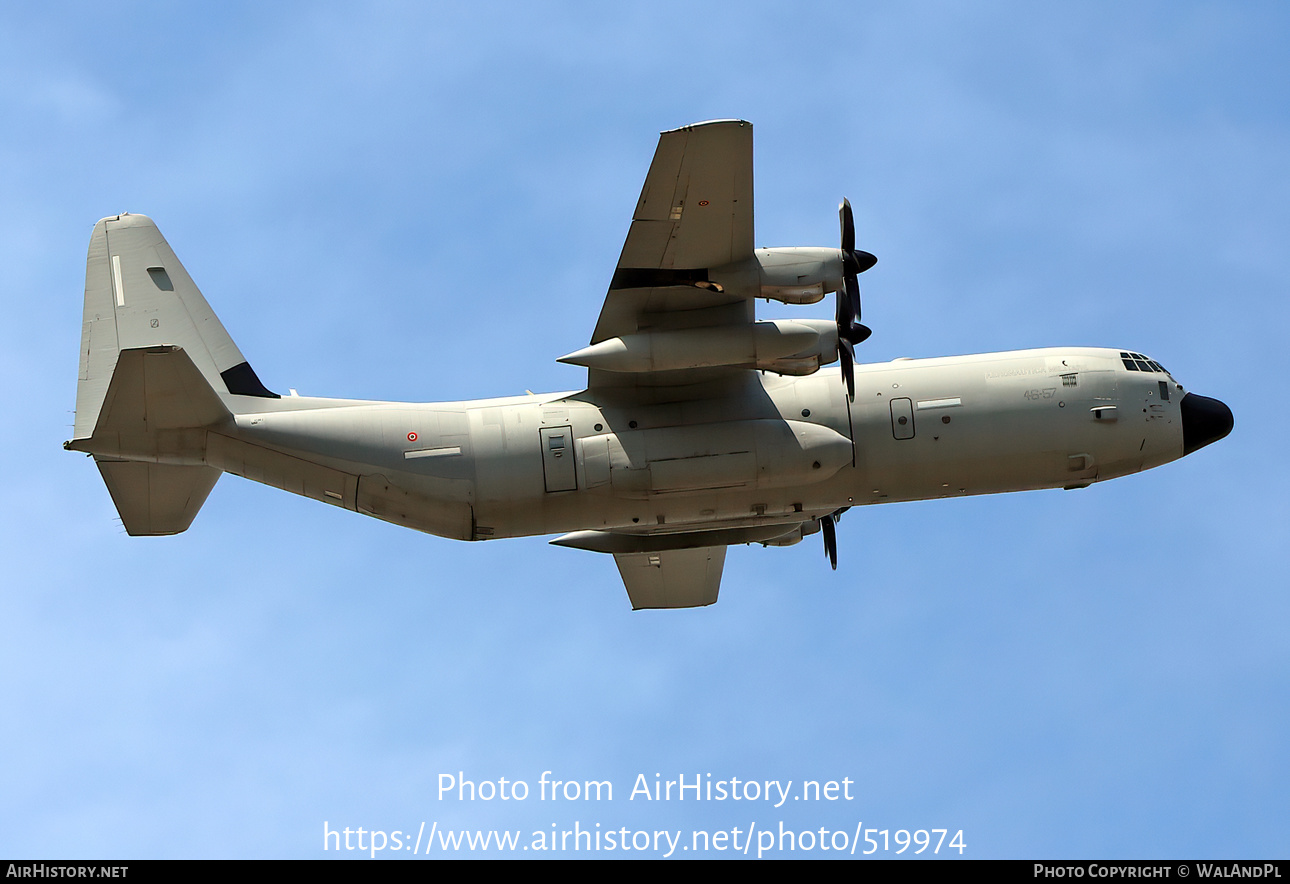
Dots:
(798, 275)
(784, 346)
(795, 536)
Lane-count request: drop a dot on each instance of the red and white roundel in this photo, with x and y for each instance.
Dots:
(412, 437)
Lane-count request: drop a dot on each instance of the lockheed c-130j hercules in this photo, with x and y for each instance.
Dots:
(700, 427)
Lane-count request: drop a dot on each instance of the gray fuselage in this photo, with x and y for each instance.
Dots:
(786, 450)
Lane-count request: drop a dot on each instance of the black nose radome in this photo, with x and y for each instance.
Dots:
(1204, 421)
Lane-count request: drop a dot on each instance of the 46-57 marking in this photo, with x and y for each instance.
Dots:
(1046, 393)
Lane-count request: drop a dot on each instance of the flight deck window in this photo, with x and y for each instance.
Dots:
(1138, 362)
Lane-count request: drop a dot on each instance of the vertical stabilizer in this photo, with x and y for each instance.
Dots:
(137, 295)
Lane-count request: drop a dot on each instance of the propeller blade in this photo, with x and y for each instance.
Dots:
(852, 287)
(842, 310)
(850, 331)
(847, 356)
(854, 261)
(829, 530)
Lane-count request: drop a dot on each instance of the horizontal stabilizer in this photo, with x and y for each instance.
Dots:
(157, 407)
(155, 498)
(150, 439)
(158, 388)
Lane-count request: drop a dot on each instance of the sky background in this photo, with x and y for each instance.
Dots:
(425, 202)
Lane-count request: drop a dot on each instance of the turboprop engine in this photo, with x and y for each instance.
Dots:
(798, 275)
(784, 346)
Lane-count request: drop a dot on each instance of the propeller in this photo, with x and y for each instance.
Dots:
(828, 527)
(850, 330)
(830, 531)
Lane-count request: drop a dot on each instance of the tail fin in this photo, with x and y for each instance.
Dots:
(137, 295)
(156, 369)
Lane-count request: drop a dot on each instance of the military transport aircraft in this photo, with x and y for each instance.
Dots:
(700, 427)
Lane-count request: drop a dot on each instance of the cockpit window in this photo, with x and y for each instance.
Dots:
(1138, 362)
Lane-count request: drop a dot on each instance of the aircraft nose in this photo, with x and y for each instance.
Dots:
(1204, 421)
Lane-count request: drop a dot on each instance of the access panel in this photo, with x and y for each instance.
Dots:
(558, 459)
(902, 418)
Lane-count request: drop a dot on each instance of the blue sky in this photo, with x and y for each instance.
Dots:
(421, 202)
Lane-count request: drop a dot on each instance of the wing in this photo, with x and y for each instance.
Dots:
(678, 330)
(680, 570)
(695, 214)
(678, 578)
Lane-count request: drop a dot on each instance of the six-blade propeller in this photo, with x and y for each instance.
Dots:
(850, 330)
(850, 333)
